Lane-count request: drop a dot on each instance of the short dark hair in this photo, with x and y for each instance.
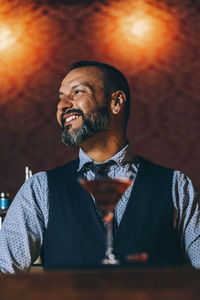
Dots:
(114, 79)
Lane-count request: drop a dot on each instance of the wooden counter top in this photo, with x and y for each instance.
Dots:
(108, 283)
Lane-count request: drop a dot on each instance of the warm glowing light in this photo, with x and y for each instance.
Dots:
(137, 31)
(141, 28)
(7, 37)
(24, 40)
(144, 29)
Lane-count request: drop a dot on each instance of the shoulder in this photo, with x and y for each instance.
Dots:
(181, 177)
(33, 195)
(184, 184)
(34, 190)
(37, 181)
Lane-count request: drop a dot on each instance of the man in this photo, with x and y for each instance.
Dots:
(54, 216)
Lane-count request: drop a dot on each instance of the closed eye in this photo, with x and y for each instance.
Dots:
(78, 91)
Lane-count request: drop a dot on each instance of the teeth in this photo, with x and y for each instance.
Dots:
(71, 118)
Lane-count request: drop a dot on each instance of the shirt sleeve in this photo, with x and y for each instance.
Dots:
(21, 235)
(186, 197)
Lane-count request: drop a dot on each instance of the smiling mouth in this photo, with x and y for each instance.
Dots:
(70, 118)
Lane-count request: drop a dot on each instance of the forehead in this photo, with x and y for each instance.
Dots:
(90, 74)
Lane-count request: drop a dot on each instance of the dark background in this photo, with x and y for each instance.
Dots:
(164, 78)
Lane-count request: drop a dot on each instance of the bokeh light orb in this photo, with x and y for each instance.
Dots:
(7, 37)
(23, 42)
(137, 31)
(141, 28)
(144, 29)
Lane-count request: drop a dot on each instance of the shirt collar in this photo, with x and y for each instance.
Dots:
(124, 156)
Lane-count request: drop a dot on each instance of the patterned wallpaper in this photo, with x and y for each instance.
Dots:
(163, 72)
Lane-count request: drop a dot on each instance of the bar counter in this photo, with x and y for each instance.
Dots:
(103, 283)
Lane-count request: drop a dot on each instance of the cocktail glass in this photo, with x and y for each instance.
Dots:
(107, 192)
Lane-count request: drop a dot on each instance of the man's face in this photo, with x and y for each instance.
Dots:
(83, 108)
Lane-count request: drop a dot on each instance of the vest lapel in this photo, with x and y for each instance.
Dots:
(134, 205)
(137, 214)
(84, 205)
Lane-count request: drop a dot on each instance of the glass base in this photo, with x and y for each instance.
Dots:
(110, 260)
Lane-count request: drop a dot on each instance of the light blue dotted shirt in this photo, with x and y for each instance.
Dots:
(21, 236)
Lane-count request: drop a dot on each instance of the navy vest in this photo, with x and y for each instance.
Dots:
(76, 236)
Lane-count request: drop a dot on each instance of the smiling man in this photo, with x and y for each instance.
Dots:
(85, 105)
(91, 111)
(52, 215)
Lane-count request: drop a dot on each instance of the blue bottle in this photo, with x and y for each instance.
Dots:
(4, 204)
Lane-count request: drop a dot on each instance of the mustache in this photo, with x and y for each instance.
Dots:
(70, 111)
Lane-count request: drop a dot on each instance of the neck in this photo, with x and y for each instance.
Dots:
(101, 147)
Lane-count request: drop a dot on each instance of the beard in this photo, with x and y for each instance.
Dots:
(92, 123)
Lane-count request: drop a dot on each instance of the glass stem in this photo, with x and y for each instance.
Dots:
(110, 256)
(109, 227)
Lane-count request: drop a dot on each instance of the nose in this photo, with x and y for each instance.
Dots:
(64, 104)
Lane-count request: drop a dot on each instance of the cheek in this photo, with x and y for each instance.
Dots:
(58, 117)
(82, 103)
(86, 103)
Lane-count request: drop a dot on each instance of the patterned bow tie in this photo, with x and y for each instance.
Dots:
(100, 170)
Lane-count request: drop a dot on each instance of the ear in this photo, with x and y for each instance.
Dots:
(118, 100)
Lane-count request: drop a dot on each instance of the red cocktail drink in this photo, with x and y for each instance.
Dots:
(107, 192)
